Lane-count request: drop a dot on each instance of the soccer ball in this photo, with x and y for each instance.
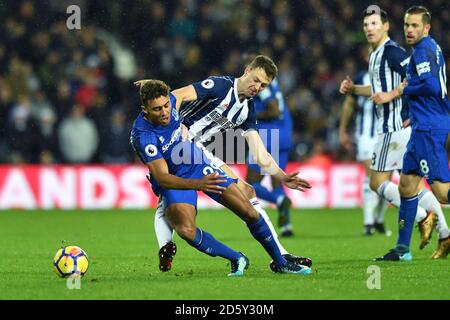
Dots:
(70, 260)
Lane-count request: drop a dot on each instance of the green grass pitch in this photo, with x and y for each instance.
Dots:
(122, 250)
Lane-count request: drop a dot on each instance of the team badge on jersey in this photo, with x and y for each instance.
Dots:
(207, 84)
(151, 150)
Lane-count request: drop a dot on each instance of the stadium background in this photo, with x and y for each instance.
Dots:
(66, 96)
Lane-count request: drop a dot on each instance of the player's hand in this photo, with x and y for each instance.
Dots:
(406, 123)
(293, 181)
(139, 83)
(382, 97)
(346, 141)
(347, 86)
(210, 183)
(402, 86)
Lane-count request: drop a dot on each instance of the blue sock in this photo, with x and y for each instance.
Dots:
(206, 243)
(406, 215)
(263, 193)
(261, 232)
(278, 192)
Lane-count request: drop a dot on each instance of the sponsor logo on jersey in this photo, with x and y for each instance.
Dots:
(423, 67)
(174, 138)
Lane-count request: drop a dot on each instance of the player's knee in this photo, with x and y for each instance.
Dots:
(442, 198)
(250, 215)
(407, 190)
(186, 232)
(249, 191)
(374, 185)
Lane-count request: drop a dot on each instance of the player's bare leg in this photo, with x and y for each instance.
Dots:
(182, 218)
(234, 199)
(249, 192)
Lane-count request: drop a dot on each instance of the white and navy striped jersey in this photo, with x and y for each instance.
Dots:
(387, 70)
(366, 118)
(217, 109)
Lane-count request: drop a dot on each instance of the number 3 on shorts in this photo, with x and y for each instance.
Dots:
(374, 157)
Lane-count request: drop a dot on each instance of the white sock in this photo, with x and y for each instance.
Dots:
(369, 202)
(389, 191)
(428, 201)
(380, 209)
(257, 206)
(163, 230)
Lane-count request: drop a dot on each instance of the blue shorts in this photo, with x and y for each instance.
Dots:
(426, 156)
(171, 196)
(281, 161)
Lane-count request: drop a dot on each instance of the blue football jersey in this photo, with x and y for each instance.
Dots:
(427, 67)
(284, 122)
(152, 142)
(217, 109)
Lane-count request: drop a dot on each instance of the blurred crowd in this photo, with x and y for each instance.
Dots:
(67, 96)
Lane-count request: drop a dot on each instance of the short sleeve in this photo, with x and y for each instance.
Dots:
(212, 87)
(147, 148)
(397, 59)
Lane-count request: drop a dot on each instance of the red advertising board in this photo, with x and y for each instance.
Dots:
(125, 186)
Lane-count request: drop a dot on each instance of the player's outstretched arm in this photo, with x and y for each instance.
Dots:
(184, 94)
(210, 183)
(268, 164)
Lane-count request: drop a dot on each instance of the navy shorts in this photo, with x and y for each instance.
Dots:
(426, 156)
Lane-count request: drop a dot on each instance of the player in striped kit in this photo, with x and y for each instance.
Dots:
(387, 70)
(274, 121)
(219, 104)
(374, 207)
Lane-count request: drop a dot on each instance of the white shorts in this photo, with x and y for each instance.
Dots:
(389, 150)
(215, 162)
(365, 147)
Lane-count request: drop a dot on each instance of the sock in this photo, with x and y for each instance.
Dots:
(406, 214)
(263, 193)
(163, 230)
(380, 210)
(261, 232)
(428, 201)
(369, 201)
(389, 191)
(255, 203)
(279, 193)
(206, 243)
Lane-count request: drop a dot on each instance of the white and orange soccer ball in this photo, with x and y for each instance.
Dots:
(70, 261)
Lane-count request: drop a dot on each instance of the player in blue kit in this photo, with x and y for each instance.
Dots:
(275, 123)
(426, 155)
(178, 167)
(387, 63)
(224, 104)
